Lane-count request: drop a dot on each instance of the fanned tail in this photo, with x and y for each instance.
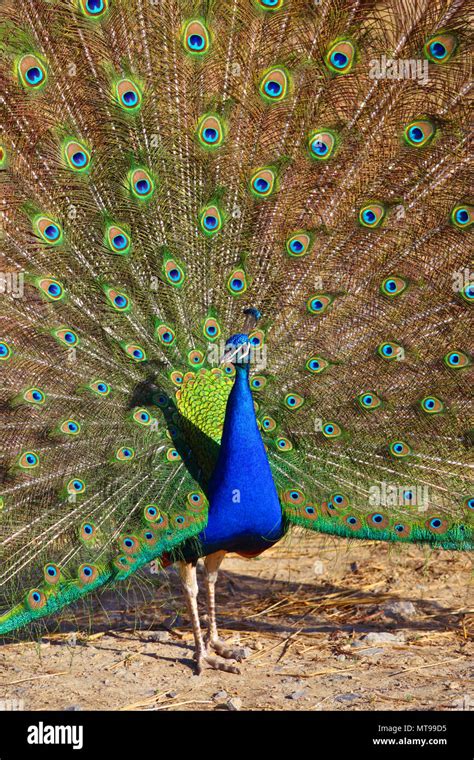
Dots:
(164, 166)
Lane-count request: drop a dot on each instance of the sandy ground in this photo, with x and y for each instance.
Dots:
(326, 625)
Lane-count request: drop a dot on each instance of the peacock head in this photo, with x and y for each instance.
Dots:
(237, 350)
(238, 347)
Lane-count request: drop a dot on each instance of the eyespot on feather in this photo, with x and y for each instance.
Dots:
(32, 72)
(340, 57)
(76, 155)
(196, 39)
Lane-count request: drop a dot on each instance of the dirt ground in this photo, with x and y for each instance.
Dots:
(326, 625)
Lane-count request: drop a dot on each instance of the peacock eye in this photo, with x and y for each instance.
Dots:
(128, 95)
(319, 303)
(293, 496)
(66, 337)
(210, 220)
(99, 387)
(316, 365)
(399, 449)
(456, 360)
(70, 427)
(141, 184)
(274, 85)
(51, 574)
(390, 351)
(118, 300)
(339, 500)
(462, 216)
(431, 405)
(28, 460)
(93, 9)
(436, 525)
(377, 520)
(372, 215)
(211, 329)
(48, 229)
(298, 244)
(172, 455)
(124, 454)
(340, 57)
(263, 182)
(135, 352)
(5, 351)
(173, 271)
(31, 72)
(237, 282)
(34, 396)
(177, 378)
(210, 131)
(195, 358)
(331, 430)
(165, 334)
(271, 5)
(36, 599)
(293, 401)
(440, 48)
(321, 145)
(76, 155)
(196, 40)
(258, 382)
(117, 240)
(268, 423)
(419, 133)
(369, 401)
(52, 289)
(467, 293)
(76, 486)
(393, 286)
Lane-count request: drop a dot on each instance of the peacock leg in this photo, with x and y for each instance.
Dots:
(187, 572)
(212, 563)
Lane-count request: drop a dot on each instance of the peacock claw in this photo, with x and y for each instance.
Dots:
(227, 653)
(214, 664)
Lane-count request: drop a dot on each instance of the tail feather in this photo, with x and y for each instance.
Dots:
(309, 160)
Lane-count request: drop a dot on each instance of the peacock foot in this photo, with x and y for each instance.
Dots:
(203, 660)
(237, 653)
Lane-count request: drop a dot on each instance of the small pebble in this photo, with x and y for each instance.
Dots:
(299, 694)
(220, 695)
(161, 636)
(384, 636)
(346, 697)
(72, 708)
(400, 610)
(234, 704)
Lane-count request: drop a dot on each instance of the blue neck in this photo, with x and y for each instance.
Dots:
(244, 511)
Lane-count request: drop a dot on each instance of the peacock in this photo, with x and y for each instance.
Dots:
(236, 287)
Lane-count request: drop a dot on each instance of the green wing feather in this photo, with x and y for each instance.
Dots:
(152, 190)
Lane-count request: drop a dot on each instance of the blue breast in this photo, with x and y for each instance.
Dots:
(244, 509)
